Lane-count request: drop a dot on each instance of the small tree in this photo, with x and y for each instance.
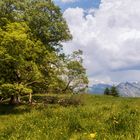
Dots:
(75, 74)
(114, 91)
(107, 91)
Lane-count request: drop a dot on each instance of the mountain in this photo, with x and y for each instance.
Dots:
(98, 88)
(129, 89)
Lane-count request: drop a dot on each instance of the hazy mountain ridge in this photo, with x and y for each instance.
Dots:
(127, 89)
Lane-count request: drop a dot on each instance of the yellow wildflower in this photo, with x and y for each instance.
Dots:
(92, 135)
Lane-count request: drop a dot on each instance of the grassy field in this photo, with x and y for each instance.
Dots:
(100, 118)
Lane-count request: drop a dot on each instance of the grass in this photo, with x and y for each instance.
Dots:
(100, 118)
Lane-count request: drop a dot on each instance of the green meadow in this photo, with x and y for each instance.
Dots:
(96, 117)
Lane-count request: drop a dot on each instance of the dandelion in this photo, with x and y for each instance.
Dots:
(93, 135)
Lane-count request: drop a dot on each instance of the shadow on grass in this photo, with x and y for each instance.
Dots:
(6, 109)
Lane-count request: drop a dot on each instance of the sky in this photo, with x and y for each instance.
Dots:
(108, 33)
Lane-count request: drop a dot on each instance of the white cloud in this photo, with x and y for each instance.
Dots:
(109, 37)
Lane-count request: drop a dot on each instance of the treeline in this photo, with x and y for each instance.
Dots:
(31, 51)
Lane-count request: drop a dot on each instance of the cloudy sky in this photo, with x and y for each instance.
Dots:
(108, 32)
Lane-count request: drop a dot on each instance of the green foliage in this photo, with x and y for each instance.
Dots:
(47, 23)
(14, 89)
(75, 74)
(101, 117)
(31, 36)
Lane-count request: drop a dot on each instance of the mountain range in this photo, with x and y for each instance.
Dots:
(127, 89)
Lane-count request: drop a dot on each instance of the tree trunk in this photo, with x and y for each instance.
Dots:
(14, 100)
(30, 98)
(1, 99)
(64, 90)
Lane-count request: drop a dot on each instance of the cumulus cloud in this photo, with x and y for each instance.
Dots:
(109, 37)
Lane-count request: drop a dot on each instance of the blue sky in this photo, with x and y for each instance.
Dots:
(85, 4)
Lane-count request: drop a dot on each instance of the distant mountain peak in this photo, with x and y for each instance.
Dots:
(129, 89)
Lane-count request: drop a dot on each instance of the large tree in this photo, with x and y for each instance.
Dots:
(31, 33)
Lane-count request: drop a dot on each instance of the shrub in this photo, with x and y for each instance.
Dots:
(75, 101)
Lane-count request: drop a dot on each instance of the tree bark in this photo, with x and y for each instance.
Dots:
(1, 99)
(14, 100)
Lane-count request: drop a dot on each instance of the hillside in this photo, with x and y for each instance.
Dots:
(99, 117)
